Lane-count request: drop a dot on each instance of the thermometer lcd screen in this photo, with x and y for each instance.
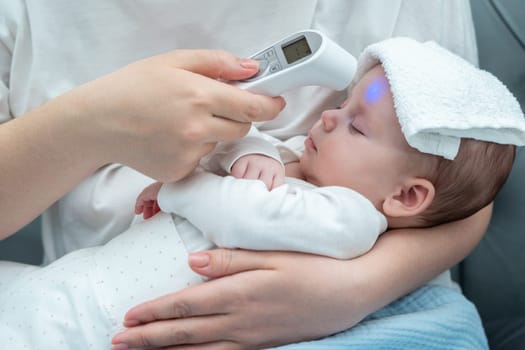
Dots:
(296, 50)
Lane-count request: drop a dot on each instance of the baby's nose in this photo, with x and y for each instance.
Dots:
(329, 120)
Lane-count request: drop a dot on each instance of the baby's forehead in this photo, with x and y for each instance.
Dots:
(374, 78)
(372, 87)
(376, 89)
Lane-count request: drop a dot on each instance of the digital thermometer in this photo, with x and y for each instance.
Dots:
(303, 58)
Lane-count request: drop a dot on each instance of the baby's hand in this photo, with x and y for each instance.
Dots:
(147, 201)
(259, 167)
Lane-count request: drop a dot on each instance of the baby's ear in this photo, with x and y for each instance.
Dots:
(410, 199)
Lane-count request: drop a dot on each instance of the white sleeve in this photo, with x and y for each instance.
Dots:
(8, 30)
(225, 154)
(289, 150)
(238, 213)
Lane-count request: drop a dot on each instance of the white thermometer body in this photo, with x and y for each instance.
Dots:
(303, 58)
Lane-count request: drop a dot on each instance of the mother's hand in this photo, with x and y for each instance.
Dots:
(289, 292)
(160, 115)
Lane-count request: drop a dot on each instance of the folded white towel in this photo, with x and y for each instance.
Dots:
(440, 98)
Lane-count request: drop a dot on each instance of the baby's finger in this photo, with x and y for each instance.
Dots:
(156, 207)
(239, 169)
(252, 172)
(268, 178)
(139, 207)
(278, 180)
(149, 209)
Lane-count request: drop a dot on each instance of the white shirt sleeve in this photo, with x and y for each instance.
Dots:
(289, 150)
(225, 154)
(7, 42)
(238, 213)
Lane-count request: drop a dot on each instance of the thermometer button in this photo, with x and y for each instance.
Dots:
(275, 67)
(269, 54)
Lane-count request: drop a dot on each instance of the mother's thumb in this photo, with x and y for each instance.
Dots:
(224, 262)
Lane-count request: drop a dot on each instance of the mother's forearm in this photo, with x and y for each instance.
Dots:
(43, 154)
(404, 259)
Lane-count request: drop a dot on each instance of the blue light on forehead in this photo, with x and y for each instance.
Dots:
(375, 90)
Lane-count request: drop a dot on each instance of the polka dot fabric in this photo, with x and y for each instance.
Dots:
(79, 301)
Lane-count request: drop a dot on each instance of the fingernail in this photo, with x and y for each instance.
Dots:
(199, 259)
(119, 346)
(283, 103)
(248, 63)
(131, 323)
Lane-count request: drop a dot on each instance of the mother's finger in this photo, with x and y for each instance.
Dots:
(233, 103)
(218, 345)
(230, 102)
(222, 129)
(175, 332)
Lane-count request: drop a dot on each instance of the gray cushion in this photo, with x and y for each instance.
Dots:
(24, 246)
(492, 276)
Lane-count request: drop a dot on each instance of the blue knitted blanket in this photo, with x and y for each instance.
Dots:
(431, 318)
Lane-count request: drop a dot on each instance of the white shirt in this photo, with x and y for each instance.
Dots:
(50, 47)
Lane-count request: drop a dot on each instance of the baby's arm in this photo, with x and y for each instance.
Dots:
(223, 158)
(238, 213)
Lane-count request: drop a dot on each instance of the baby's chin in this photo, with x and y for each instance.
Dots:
(312, 179)
(305, 174)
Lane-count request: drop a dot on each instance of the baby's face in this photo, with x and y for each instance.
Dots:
(359, 145)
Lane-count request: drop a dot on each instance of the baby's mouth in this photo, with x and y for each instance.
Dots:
(309, 142)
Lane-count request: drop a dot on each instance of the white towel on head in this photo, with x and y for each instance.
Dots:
(440, 98)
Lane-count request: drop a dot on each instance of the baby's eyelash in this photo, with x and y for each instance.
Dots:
(352, 128)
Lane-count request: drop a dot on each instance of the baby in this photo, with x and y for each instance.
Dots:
(331, 192)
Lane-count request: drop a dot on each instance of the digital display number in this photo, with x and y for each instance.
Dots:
(296, 50)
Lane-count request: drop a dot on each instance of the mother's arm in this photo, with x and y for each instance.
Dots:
(273, 298)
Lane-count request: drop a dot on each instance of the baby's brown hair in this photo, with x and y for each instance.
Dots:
(469, 182)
